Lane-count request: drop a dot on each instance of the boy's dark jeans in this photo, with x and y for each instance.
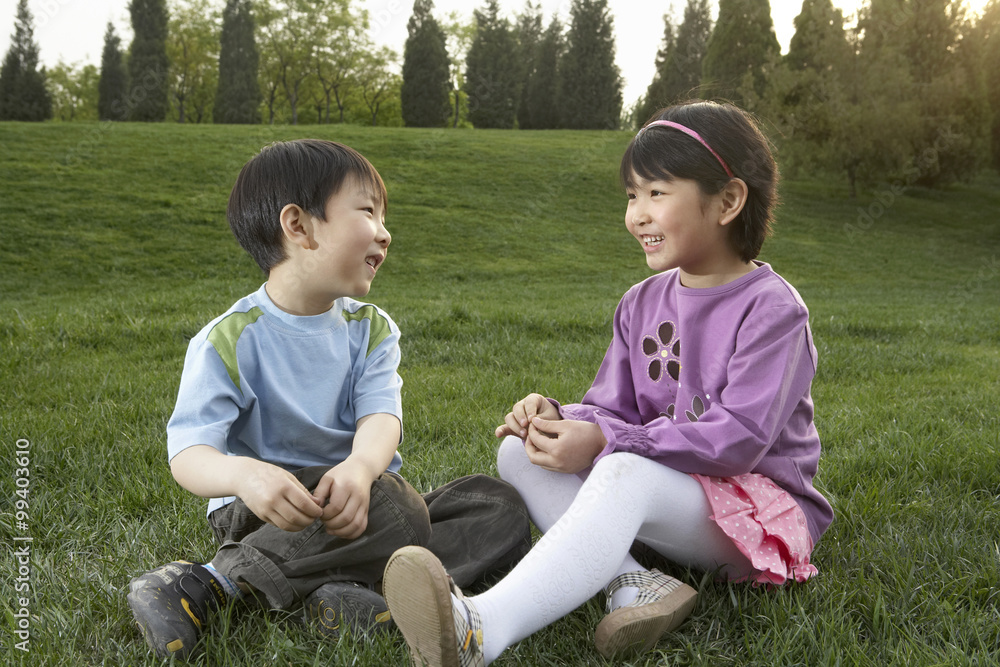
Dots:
(476, 525)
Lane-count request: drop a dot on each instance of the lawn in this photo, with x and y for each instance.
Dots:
(509, 255)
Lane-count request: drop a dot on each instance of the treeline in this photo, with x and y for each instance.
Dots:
(906, 91)
(909, 94)
(314, 61)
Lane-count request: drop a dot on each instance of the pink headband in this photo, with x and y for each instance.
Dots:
(691, 133)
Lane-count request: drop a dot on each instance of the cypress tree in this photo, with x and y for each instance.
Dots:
(147, 63)
(656, 95)
(238, 97)
(813, 94)
(528, 31)
(678, 66)
(679, 61)
(743, 44)
(113, 86)
(491, 71)
(424, 96)
(819, 42)
(539, 104)
(590, 83)
(23, 95)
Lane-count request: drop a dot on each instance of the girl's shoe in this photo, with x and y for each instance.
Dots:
(419, 594)
(661, 605)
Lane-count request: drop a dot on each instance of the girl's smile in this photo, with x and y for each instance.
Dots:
(680, 227)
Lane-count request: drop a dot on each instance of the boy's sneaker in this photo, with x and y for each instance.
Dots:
(340, 605)
(419, 594)
(171, 605)
(661, 605)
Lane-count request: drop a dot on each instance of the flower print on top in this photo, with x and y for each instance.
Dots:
(660, 348)
(664, 351)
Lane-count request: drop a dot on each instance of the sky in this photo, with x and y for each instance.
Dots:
(72, 31)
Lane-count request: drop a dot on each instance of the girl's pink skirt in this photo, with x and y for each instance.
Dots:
(765, 523)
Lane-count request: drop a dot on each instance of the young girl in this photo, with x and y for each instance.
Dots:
(696, 438)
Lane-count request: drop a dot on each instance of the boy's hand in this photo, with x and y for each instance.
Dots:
(519, 418)
(346, 491)
(277, 497)
(566, 445)
(272, 493)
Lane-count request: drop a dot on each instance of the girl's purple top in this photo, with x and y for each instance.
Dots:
(713, 381)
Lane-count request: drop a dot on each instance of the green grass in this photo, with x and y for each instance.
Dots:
(508, 258)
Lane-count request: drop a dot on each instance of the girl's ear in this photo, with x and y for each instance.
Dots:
(296, 224)
(732, 200)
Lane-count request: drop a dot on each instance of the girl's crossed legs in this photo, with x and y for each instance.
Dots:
(589, 525)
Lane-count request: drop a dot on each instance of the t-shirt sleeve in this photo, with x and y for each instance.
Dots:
(769, 373)
(208, 401)
(378, 387)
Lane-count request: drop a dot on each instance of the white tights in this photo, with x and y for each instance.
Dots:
(589, 523)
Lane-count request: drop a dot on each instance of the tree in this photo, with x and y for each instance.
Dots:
(590, 84)
(819, 42)
(988, 36)
(342, 42)
(377, 83)
(459, 35)
(148, 66)
(528, 31)
(740, 51)
(817, 95)
(193, 49)
(289, 36)
(679, 61)
(237, 99)
(656, 96)
(112, 89)
(73, 91)
(931, 41)
(491, 74)
(425, 90)
(539, 109)
(23, 93)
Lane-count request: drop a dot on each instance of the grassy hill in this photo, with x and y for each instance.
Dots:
(509, 255)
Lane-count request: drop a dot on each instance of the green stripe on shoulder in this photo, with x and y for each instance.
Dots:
(379, 329)
(224, 336)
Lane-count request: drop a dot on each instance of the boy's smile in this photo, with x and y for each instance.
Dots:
(352, 242)
(333, 257)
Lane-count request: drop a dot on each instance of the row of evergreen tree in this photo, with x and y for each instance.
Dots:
(910, 91)
(518, 75)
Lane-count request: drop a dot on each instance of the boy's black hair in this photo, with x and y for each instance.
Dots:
(305, 172)
(664, 153)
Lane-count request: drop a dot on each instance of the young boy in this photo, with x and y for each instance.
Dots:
(288, 418)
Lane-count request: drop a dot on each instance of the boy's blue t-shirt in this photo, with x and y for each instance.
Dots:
(286, 389)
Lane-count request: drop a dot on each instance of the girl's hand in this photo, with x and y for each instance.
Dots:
(566, 445)
(517, 420)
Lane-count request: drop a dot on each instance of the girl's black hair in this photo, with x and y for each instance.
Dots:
(305, 172)
(665, 153)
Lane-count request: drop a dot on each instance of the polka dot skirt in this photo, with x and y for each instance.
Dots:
(765, 523)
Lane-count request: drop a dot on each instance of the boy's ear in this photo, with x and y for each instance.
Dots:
(296, 224)
(732, 198)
